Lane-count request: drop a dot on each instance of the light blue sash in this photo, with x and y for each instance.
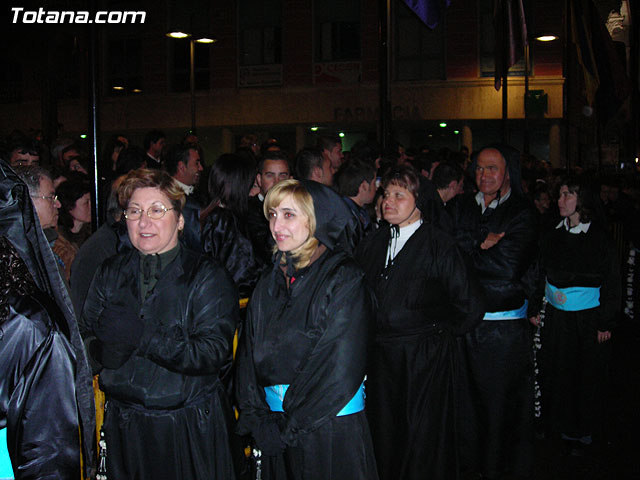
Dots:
(6, 470)
(275, 397)
(572, 299)
(509, 314)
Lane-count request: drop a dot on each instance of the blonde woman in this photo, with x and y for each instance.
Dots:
(301, 362)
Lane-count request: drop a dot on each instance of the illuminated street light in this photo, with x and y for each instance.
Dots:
(178, 35)
(456, 132)
(443, 125)
(341, 134)
(192, 75)
(547, 38)
(314, 129)
(118, 87)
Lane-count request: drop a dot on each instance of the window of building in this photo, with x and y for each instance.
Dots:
(260, 27)
(124, 66)
(419, 51)
(486, 42)
(337, 30)
(180, 55)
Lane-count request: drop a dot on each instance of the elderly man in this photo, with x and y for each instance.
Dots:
(45, 201)
(496, 228)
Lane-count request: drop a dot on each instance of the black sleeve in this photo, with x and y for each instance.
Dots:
(42, 415)
(340, 353)
(223, 240)
(203, 345)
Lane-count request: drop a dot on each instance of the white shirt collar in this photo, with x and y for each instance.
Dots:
(580, 228)
(494, 203)
(188, 189)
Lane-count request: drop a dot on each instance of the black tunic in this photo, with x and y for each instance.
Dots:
(426, 297)
(312, 336)
(167, 413)
(496, 409)
(574, 364)
(225, 238)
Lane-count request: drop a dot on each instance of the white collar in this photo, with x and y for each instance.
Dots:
(261, 197)
(494, 203)
(188, 189)
(580, 228)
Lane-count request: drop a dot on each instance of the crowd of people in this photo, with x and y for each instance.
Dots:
(383, 305)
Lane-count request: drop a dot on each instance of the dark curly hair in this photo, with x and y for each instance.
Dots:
(14, 276)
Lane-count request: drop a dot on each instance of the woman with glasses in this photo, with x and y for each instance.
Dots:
(426, 297)
(158, 323)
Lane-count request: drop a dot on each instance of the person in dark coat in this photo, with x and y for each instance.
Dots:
(302, 357)
(272, 168)
(158, 323)
(427, 295)
(582, 288)
(224, 232)
(46, 396)
(496, 228)
(107, 241)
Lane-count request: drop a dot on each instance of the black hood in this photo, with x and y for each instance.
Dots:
(20, 225)
(335, 223)
(512, 157)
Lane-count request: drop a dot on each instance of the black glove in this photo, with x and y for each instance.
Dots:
(119, 325)
(268, 438)
(110, 356)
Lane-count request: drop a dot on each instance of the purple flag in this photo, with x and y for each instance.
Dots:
(429, 11)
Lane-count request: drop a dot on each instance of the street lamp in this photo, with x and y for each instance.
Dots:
(178, 34)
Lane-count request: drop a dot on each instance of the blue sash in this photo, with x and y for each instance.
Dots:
(275, 396)
(572, 299)
(6, 470)
(509, 314)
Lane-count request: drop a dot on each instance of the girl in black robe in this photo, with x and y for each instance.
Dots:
(582, 287)
(302, 357)
(426, 296)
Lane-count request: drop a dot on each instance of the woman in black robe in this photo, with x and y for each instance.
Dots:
(224, 231)
(426, 296)
(302, 357)
(158, 323)
(582, 287)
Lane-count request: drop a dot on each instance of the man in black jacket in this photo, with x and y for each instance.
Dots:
(182, 162)
(496, 228)
(272, 168)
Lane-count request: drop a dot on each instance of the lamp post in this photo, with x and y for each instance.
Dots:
(192, 69)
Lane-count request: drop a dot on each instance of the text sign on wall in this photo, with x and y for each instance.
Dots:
(260, 75)
(337, 72)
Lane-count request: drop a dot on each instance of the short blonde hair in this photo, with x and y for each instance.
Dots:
(301, 256)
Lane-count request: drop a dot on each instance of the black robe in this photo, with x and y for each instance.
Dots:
(37, 391)
(574, 365)
(426, 297)
(225, 238)
(167, 413)
(496, 395)
(312, 336)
